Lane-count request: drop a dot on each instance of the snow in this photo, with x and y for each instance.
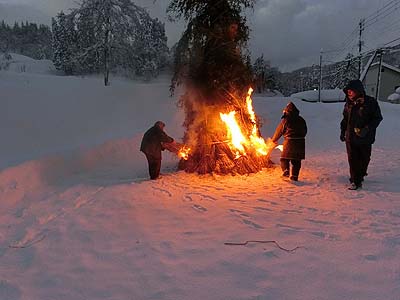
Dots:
(335, 95)
(23, 64)
(80, 220)
(395, 97)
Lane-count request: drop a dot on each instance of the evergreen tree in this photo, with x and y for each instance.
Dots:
(26, 38)
(64, 43)
(211, 50)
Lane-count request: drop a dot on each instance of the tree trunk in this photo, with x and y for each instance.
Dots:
(107, 53)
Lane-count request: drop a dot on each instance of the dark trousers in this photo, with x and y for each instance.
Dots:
(154, 166)
(296, 165)
(359, 157)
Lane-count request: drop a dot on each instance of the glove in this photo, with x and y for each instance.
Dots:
(361, 132)
(342, 136)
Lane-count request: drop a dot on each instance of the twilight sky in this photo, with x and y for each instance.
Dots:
(290, 33)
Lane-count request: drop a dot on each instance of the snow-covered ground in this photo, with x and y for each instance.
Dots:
(80, 220)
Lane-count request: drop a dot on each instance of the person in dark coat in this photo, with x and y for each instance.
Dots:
(152, 146)
(294, 129)
(361, 117)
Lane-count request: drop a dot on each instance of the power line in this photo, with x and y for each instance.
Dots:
(387, 7)
(392, 41)
(383, 14)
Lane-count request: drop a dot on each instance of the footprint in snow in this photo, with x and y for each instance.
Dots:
(199, 208)
(187, 198)
(163, 191)
(252, 224)
(239, 213)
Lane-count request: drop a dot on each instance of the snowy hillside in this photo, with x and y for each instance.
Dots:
(80, 220)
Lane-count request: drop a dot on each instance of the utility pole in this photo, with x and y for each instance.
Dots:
(320, 76)
(360, 44)
(378, 81)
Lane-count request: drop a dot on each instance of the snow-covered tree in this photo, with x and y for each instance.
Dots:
(64, 43)
(345, 71)
(117, 34)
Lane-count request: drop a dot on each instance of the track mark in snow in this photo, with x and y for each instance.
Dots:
(319, 234)
(235, 199)
(291, 211)
(262, 208)
(86, 200)
(199, 208)
(209, 198)
(187, 198)
(288, 227)
(239, 213)
(162, 191)
(51, 217)
(376, 212)
(252, 224)
(319, 222)
(268, 201)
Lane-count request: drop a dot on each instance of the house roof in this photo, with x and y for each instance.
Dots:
(393, 68)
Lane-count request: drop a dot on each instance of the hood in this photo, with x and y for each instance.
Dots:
(355, 85)
(291, 110)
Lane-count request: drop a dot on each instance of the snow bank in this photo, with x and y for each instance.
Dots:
(395, 97)
(335, 95)
(23, 64)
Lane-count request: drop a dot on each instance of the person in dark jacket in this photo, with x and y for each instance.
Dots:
(152, 146)
(294, 130)
(361, 117)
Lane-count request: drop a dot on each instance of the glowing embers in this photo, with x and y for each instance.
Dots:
(184, 152)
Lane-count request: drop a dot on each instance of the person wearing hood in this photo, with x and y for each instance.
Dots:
(361, 117)
(294, 130)
(152, 146)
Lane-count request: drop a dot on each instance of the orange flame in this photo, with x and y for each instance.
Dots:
(184, 152)
(235, 134)
(237, 139)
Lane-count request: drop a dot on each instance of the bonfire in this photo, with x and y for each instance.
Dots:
(222, 133)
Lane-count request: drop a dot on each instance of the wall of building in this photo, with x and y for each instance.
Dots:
(389, 80)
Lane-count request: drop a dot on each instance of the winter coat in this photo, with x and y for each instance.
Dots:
(151, 142)
(294, 129)
(363, 113)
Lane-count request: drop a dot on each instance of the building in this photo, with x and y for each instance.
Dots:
(390, 80)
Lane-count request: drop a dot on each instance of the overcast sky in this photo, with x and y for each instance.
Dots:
(290, 33)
